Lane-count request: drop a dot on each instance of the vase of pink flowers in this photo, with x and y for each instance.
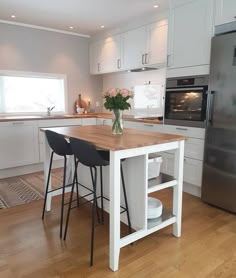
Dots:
(116, 100)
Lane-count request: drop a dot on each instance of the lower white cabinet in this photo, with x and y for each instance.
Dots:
(192, 168)
(89, 121)
(102, 121)
(18, 144)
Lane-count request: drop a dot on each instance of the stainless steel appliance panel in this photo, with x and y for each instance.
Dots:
(219, 172)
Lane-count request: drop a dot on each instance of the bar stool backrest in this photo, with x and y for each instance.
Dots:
(86, 153)
(58, 143)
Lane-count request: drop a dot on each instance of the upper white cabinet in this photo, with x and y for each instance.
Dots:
(225, 11)
(189, 41)
(135, 47)
(110, 55)
(105, 56)
(157, 43)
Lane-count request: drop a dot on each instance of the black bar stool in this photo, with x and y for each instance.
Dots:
(61, 147)
(86, 154)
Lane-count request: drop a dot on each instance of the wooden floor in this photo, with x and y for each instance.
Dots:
(32, 248)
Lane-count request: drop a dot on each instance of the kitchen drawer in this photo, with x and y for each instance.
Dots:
(185, 131)
(56, 123)
(89, 121)
(192, 168)
(144, 126)
(59, 122)
(193, 148)
(102, 121)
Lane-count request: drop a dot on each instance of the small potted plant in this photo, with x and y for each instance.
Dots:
(116, 100)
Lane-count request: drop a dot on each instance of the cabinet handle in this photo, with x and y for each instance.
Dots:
(143, 59)
(181, 128)
(18, 123)
(168, 60)
(98, 67)
(146, 58)
(118, 63)
(148, 125)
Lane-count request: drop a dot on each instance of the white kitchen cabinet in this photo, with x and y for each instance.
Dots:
(144, 126)
(134, 47)
(225, 11)
(110, 55)
(102, 121)
(189, 40)
(18, 144)
(105, 55)
(192, 168)
(94, 57)
(89, 121)
(157, 43)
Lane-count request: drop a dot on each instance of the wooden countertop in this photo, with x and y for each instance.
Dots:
(75, 116)
(101, 137)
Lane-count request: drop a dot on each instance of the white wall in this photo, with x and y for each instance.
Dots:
(130, 79)
(27, 49)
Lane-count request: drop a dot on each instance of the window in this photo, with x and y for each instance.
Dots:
(31, 94)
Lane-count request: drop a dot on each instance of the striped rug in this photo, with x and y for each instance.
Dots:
(25, 189)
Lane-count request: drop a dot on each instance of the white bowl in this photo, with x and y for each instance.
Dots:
(79, 110)
(154, 208)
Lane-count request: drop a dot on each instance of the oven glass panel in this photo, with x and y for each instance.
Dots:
(184, 105)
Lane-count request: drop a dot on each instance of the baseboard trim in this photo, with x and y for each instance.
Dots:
(23, 170)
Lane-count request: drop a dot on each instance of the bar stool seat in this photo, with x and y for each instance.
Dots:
(61, 147)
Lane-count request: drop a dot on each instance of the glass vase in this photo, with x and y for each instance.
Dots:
(117, 123)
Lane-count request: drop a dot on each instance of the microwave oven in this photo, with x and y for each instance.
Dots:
(186, 101)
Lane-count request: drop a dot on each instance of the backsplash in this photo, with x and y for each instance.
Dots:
(131, 79)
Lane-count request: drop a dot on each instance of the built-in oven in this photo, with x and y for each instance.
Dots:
(186, 101)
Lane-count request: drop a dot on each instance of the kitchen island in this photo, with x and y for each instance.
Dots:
(135, 146)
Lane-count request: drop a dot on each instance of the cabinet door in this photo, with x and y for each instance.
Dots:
(94, 57)
(110, 55)
(190, 37)
(134, 47)
(157, 42)
(18, 144)
(225, 11)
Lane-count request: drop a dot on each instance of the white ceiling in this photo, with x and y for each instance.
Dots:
(86, 16)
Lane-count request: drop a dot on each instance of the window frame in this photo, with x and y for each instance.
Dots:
(32, 74)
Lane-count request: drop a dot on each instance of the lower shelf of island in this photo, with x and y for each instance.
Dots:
(153, 225)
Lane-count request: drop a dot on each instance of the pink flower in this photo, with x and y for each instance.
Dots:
(112, 92)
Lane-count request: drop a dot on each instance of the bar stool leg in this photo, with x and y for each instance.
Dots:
(63, 196)
(102, 203)
(48, 179)
(96, 201)
(94, 180)
(70, 201)
(125, 196)
(77, 184)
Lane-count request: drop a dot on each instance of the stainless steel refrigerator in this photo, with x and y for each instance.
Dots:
(219, 171)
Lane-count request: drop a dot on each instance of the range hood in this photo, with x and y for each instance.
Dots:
(154, 67)
(143, 69)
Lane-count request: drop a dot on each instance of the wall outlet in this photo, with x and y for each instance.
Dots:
(97, 103)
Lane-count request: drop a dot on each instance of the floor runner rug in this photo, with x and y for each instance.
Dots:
(24, 189)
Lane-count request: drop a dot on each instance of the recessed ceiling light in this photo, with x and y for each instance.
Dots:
(102, 26)
(155, 6)
(71, 27)
(13, 16)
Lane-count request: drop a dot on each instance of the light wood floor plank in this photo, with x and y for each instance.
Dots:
(32, 248)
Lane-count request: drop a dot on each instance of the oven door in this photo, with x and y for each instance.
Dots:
(186, 106)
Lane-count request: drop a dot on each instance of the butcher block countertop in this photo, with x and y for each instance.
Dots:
(102, 137)
(74, 116)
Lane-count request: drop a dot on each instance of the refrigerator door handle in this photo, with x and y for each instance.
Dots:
(210, 106)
